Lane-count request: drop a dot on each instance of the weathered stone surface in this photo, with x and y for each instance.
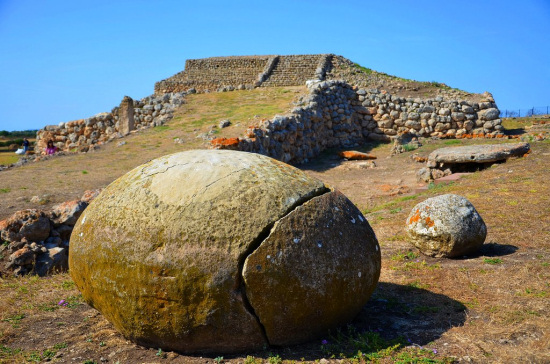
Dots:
(160, 251)
(126, 115)
(67, 213)
(53, 260)
(477, 153)
(423, 175)
(446, 226)
(489, 114)
(305, 278)
(30, 224)
(89, 195)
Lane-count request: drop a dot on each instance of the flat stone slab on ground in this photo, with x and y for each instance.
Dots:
(477, 153)
(450, 178)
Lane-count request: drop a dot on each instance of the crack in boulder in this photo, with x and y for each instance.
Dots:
(240, 286)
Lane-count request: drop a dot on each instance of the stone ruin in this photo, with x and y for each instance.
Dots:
(345, 106)
(131, 115)
(337, 114)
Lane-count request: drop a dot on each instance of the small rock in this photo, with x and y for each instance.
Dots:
(68, 212)
(446, 226)
(224, 123)
(423, 175)
(89, 195)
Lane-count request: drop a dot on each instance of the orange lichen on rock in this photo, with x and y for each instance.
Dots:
(415, 217)
(225, 143)
(429, 222)
(354, 155)
(419, 159)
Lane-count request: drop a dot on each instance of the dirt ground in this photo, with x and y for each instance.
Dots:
(492, 307)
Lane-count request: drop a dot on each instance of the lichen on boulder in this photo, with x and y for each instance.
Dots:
(169, 253)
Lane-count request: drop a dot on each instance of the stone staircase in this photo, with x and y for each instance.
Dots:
(293, 70)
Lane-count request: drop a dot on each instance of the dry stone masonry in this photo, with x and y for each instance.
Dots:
(346, 105)
(336, 114)
(85, 134)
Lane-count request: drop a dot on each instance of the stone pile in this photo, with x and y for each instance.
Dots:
(335, 114)
(37, 242)
(83, 135)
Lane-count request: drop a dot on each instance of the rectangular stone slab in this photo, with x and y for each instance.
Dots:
(477, 153)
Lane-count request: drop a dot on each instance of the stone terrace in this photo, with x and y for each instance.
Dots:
(245, 72)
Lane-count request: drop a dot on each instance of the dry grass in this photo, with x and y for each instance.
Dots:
(7, 158)
(507, 287)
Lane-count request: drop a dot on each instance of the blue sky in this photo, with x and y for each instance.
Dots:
(66, 60)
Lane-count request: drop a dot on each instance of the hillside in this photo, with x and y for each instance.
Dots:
(66, 177)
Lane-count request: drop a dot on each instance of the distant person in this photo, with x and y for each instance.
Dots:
(26, 145)
(50, 148)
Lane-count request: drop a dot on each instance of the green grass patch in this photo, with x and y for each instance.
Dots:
(492, 261)
(7, 159)
(161, 128)
(439, 187)
(452, 142)
(237, 106)
(369, 347)
(389, 205)
(15, 320)
(404, 256)
(517, 123)
(366, 70)
(409, 147)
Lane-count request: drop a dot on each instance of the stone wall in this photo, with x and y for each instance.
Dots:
(336, 114)
(245, 72)
(210, 74)
(85, 134)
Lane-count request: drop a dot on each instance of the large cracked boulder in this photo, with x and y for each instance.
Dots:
(446, 226)
(223, 251)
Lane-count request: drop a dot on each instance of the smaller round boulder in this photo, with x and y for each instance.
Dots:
(446, 226)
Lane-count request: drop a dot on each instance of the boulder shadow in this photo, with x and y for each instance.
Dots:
(415, 314)
(395, 314)
(329, 158)
(493, 249)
